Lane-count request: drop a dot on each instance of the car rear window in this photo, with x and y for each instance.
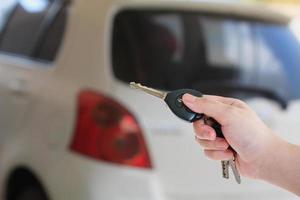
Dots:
(212, 53)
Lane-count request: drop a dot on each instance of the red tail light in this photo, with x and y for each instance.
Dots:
(105, 130)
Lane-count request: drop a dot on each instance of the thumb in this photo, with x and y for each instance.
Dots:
(208, 106)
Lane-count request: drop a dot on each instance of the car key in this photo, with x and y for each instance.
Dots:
(232, 165)
(217, 127)
(225, 168)
(174, 100)
(228, 163)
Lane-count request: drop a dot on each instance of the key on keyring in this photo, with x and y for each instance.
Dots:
(225, 169)
(232, 165)
(175, 103)
(228, 163)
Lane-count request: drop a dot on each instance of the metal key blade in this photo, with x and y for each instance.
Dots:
(235, 171)
(151, 91)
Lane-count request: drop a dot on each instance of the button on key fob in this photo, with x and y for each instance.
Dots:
(175, 103)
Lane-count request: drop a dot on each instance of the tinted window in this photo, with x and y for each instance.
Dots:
(34, 27)
(214, 54)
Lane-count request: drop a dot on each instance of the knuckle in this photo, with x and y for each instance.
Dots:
(207, 153)
(197, 129)
(201, 135)
(197, 125)
(202, 143)
(239, 102)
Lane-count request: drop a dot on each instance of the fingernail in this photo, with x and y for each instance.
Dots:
(188, 98)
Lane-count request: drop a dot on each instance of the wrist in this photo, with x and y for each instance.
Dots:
(281, 167)
(274, 152)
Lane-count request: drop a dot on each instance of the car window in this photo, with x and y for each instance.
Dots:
(6, 8)
(52, 39)
(215, 54)
(28, 25)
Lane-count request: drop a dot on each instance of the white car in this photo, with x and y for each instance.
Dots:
(72, 129)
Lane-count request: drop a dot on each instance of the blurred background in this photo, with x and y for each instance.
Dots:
(72, 128)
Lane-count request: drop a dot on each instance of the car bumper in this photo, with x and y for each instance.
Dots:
(79, 178)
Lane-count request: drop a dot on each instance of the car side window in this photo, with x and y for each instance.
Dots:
(34, 26)
(6, 8)
(49, 44)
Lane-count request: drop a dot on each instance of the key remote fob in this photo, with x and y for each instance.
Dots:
(175, 103)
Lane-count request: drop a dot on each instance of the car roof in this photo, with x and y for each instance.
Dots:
(240, 10)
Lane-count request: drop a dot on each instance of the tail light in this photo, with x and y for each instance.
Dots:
(107, 131)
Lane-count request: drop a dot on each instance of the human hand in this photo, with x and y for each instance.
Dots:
(251, 140)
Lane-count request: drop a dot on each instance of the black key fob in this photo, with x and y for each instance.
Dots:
(175, 103)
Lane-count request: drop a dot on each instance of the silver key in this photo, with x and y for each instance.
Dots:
(235, 171)
(225, 169)
(224, 163)
(160, 94)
